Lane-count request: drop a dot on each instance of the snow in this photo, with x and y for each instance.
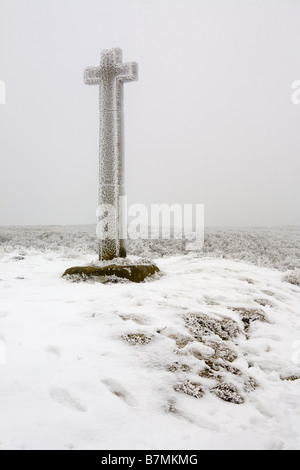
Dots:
(78, 374)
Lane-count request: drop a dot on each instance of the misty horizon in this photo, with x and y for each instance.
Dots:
(210, 120)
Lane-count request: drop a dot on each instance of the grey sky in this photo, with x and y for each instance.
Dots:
(209, 121)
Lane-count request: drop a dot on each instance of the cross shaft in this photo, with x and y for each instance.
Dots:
(110, 76)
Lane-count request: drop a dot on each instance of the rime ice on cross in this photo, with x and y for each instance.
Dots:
(110, 76)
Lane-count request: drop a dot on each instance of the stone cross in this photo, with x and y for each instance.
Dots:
(110, 76)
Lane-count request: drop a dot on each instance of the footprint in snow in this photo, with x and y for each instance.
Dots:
(118, 390)
(63, 397)
(135, 318)
(4, 314)
(53, 350)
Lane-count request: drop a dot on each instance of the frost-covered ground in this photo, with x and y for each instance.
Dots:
(205, 356)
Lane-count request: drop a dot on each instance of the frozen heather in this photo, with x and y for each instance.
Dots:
(110, 76)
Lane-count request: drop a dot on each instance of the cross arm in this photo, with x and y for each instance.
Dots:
(91, 76)
(128, 72)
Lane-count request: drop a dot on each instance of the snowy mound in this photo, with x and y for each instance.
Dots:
(203, 357)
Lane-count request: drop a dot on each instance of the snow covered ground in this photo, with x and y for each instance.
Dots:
(206, 356)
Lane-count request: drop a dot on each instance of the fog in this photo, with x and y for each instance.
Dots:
(210, 120)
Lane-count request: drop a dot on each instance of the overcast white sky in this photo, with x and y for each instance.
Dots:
(209, 121)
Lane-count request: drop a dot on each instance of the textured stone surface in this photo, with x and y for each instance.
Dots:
(134, 273)
(190, 388)
(229, 393)
(110, 76)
